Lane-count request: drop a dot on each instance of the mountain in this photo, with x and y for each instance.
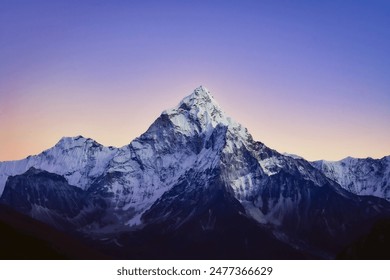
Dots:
(359, 176)
(194, 185)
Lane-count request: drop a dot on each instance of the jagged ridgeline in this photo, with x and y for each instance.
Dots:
(196, 185)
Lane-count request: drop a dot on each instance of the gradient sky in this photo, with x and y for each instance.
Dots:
(305, 77)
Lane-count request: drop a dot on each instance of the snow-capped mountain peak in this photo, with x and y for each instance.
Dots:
(200, 97)
(197, 113)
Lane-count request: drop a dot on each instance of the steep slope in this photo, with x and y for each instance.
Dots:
(360, 176)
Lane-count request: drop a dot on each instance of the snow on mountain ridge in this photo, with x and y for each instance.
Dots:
(78, 159)
(362, 176)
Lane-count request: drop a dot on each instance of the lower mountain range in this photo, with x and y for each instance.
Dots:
(195, 185)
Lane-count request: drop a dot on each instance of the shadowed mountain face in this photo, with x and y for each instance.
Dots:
(49, 198)
(38, 190)
(194, 185)
(373, 246)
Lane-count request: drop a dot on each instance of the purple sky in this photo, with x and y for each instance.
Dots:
(305, 77)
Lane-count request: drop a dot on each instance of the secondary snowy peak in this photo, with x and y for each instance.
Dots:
(76, 141)
(78, 159)
(362, 176)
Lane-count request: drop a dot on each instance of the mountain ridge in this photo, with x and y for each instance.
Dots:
(361, 176)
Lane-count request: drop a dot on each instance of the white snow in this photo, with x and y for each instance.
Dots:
(359, 176)
(76, 158)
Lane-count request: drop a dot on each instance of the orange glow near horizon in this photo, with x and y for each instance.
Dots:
(33, 125)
